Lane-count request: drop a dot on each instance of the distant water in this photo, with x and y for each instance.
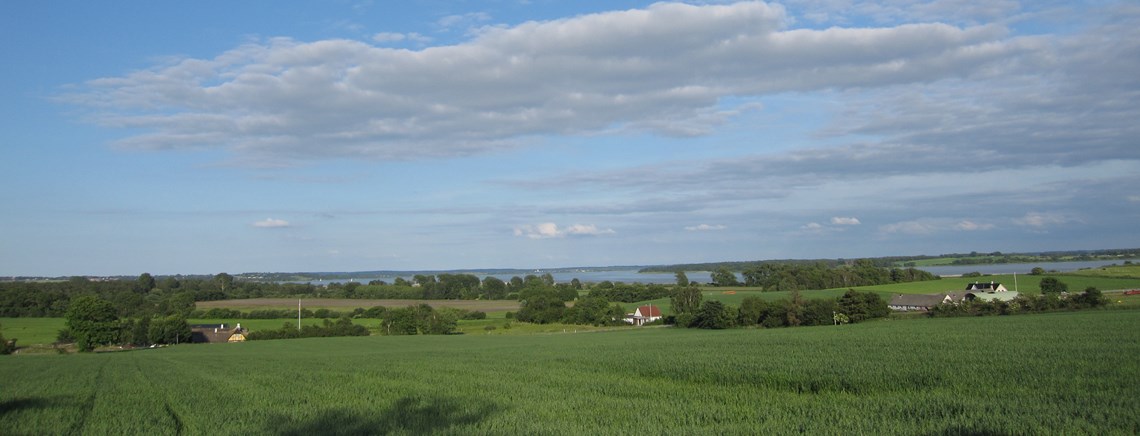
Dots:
(632, 276)
(1018, 268)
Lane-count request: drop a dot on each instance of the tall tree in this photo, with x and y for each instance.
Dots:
(686, 299)
(145, 282)
(92, 322)
(712, 315)
(724, 277)
(682, 279)
(1051, 285)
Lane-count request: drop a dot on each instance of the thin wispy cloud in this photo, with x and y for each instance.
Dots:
(706, 227)
(271, 223)
(552, 230)
(845, 221)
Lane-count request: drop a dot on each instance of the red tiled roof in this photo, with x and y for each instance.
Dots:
(648, 311)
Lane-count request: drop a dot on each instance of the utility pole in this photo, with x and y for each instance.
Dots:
(298, 314)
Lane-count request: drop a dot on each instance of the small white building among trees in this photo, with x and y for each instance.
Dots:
(643, 315)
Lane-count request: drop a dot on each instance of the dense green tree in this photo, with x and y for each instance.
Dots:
(435, 322)
(590, 311)
(861, 306)
(145, 283)
(794, 309)
(92, 322)
(399, 321)
(724, 277)
(541, 307)
(1092, 297)
(819, 311)
(223, 281)
(752, 311)
(494, 288)
(712, 315)
(169, 330)
(1051, 285)
(7, 346)
(1036, 271)
(686, 299)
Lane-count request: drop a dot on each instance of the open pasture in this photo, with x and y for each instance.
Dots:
(1057, 373)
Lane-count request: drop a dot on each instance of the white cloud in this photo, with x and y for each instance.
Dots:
(1134, 198)
(1041, 220)
(845, 221)
(969, 226)
(387, 37)
(928, 226)
(468, 19)
(271, 223)
(667, 69)
(551, 230)
(705, 227)
(915, 227)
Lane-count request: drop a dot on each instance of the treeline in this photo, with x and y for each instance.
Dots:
(147, 296)
(374, 312)
(92, 322)
(804, 276)
(853, 306)
(629, 292)
(328, 328)
(547, 305)
(142, 297)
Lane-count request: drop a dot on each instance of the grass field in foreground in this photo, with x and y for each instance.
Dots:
(1059, 373)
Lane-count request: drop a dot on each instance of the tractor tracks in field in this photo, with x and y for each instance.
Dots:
(88, 403)
(179, 426)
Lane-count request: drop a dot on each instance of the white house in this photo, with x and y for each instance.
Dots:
(643, 314)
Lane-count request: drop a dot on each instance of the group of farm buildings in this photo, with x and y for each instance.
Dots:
(974, 292)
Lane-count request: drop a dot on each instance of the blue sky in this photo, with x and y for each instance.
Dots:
(201, 137)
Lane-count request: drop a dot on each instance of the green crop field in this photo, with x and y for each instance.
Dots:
(1124, 271)
(29, 331)
(1057, 373)
(1025, 283)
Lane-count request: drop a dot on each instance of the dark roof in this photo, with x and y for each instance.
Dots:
(917, 300)
(980, 286)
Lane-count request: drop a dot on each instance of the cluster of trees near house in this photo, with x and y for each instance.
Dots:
(852, 306)
(92, 322)
(1054, 296)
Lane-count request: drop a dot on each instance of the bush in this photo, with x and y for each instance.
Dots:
(1051, 285)
(7, 346)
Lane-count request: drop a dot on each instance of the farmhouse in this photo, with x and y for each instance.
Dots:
(974, 292)
(643, 314)
(908, 302)
(216, 333)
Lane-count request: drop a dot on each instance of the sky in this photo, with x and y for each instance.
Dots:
(275, 136)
